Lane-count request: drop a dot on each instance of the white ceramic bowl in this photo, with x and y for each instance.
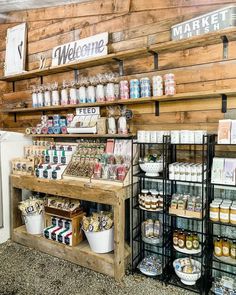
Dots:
(152, 169)
(188, 278)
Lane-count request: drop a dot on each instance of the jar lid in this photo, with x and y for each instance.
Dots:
(144, 191)
(214, 205)
(224, 206)
(233, 207)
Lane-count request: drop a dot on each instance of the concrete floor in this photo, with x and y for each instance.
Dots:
(24, 271)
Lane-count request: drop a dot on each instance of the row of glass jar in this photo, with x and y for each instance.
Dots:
(223, 211)
(224, 247)
(150, 200)
(177, 136)
(187, 171)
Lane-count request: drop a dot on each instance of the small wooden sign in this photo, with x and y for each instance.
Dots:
(15, 50)
(210, 22)
(79, 50)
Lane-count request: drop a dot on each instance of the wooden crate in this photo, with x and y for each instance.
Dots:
(186, 213)
(77, 233)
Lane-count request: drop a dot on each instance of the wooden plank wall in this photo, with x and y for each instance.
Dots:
(131, 24)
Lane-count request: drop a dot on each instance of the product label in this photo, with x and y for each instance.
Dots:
(214, 215)
(226, 251)
(224, 217)
(189, 245)
(181, 243)
(195, 244)
(233, 252)
(233, 217)
(218, 251)
(175, 241)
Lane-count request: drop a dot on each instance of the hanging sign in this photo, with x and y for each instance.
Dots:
(79, 50)
(15, 50)
(210, 22)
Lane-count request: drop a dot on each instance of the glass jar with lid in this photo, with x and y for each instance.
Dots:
(224, 213)
(233, 214)
(218, 248)
(226, 247)
(233, 249)
(214, 212)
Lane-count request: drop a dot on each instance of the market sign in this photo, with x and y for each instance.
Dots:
(210, 22)
(93, 46)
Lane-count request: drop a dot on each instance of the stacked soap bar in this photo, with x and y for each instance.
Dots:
(60, 231)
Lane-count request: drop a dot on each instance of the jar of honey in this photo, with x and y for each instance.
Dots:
(218, 249)
(181, 239)
(233, 214)
(214, 212)
(175, 237)
(224, 213)
(196, 242)
(233, 250)
(189, 241)
(226, 247)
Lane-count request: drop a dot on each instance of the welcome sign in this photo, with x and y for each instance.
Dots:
(79, 50)
(210, 22)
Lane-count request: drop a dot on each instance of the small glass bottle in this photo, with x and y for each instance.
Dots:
(175, 237)
(196, 242)
(226, 247)
(233, 250)
(181, 239)
(218, 249)
(189, 241)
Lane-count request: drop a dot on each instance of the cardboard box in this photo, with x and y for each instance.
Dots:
(217, 172)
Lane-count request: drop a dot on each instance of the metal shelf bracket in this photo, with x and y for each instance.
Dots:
(121, 66)
(225, 46)
(157, 108)
(224, 103)
(155, 59)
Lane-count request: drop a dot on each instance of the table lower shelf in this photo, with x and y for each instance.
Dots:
(81, 254)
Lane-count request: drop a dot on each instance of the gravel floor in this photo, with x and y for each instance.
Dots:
(24, 271)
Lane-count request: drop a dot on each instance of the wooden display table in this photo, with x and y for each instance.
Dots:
(112, 264)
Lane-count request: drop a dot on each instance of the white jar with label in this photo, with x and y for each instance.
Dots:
(82, 94)
(175, 136)
(188, 172)
(47, 98)
(34, 99)
(147, 136)
(91, 94)
(160, 135)
(224, 213)
(182, 171)
(64, 96)
(153, 136)
(214, 212)
(199, 173)
(73, 95)
(172, 171)
(40, 99)
(55, 97)
(100, 93)
(184, 136)
(233, 214)
(141, 136)
(191, 136)
(194, 172)
(177, 171)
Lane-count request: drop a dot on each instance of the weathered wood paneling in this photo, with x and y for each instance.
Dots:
(131, 24)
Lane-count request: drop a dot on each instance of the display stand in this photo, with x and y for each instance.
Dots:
(112, 264)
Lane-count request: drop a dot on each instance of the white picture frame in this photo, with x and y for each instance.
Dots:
(15, 50)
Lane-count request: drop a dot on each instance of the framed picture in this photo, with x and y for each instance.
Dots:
(15, 50)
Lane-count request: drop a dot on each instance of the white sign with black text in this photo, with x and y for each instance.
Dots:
(86, 48)
(210, 22)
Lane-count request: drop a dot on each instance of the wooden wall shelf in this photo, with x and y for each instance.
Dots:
(83, 136)
(112, 264)
(164, 98)
(170, 46)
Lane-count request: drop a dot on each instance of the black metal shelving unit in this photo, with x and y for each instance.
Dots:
(218, 267)
(140, 248)
(198, 225)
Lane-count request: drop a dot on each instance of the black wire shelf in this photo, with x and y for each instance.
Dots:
(222, 223)
(143, 175)
(175, 281)
(187, 218)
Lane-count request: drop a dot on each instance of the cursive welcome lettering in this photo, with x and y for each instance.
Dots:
(82, 49)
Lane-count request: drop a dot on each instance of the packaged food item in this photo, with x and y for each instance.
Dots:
(134, 88)
(175, 237)
(181, 239)
(145, 86)
(233, 214)
(214, 212)
(226, 247)
(224, 213)
(217, 170)
(196, 241)
(233, 250)
(124, 89)
(224, 130)
(189, 241)
(218, 247)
